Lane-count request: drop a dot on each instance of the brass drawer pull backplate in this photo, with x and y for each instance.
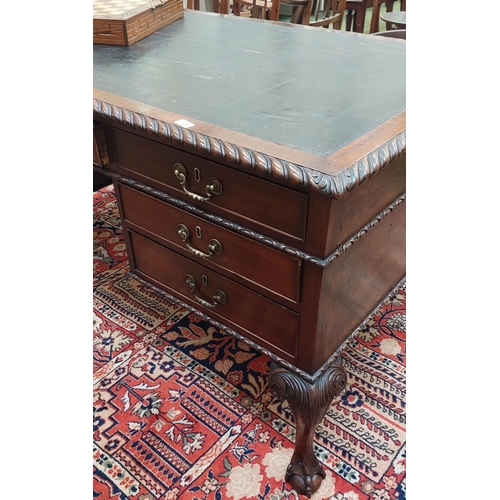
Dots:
(214, 187)
(214, 247)
(218, 298)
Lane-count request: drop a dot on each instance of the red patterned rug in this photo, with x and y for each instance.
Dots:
(182, 411)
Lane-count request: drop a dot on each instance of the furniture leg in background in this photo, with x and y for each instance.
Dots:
(355, 15)
(220, 6)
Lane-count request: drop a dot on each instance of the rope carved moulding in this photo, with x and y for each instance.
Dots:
(335, 186)
(254, 234)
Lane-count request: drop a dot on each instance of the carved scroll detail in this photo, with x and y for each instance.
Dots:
(309, 403)
(336, 186)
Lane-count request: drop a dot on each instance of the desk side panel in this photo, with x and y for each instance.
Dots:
(332, 222)
(367, 200)
(351, 287)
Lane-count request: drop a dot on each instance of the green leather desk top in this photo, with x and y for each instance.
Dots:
(310, 89)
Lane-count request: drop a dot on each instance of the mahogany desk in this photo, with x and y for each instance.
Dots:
(260, 175)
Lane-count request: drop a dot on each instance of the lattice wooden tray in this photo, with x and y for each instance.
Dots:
(124, 22)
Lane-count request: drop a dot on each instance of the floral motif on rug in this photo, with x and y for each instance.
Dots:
(183, 411)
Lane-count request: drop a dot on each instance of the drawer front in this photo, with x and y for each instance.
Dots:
(261, 319)
(258, 263)
(213, 187)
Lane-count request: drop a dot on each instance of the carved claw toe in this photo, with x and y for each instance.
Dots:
(307, 487)
(302, 482)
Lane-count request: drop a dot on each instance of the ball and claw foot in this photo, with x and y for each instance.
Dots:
(301, 481)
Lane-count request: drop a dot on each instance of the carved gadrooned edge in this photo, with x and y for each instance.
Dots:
(334, 359)
(335, 186)
(253, 234)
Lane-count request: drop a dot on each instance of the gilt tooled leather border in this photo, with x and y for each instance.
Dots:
(335, 186)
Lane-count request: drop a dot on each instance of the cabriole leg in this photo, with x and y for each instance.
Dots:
(309, 403)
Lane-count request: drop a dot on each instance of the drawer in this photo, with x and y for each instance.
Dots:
(258, 318)
(237, 196)
(253, 261)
